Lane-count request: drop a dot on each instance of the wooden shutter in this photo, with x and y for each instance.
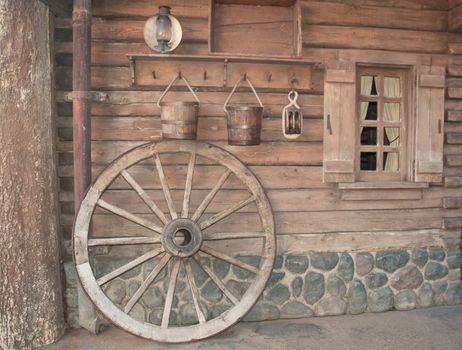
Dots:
(429, 124)
(339, 125)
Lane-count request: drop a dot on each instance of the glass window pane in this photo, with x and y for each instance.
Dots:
(391, 112)
(368, 111)
(391, 87)
(369, 136)
(368, 87)
(391, 137)
(391, 161)
(368, 161)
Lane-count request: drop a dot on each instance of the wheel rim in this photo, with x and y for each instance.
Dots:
(181, 239)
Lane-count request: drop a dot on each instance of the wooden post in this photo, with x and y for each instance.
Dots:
(81, 83)
(31, 313)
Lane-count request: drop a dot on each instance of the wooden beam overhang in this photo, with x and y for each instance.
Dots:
(61, 8)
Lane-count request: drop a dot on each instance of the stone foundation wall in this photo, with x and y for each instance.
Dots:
(317, 284)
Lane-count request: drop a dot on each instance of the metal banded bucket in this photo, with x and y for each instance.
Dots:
(179, 118)
(244, 122)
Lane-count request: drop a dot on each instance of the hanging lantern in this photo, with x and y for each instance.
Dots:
(292, 117)
(162, 32)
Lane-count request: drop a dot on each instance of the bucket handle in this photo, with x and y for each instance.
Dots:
(178, 77)
(244, 77)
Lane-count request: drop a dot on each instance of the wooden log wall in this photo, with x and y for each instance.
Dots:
(310, 214)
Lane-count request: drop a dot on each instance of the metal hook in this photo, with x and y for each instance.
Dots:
(269, 77)
(179, 75)
(205, 75)
(154, 74)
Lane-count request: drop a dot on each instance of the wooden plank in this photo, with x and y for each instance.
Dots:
(454, 116)
(452, 202)
(271, 177)
(147, 8)
(301, 222)
(453, 181)
(368, 195)
(209, 129)
(453, 160)
(283, 153)
(455, 19)
(350, 14)
(132, 30)
(410, 4)
(452, 223)
(454, 138)
(374, 38)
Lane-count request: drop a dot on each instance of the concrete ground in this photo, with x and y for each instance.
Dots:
(434, 328)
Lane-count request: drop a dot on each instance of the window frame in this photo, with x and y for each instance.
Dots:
(407, 124)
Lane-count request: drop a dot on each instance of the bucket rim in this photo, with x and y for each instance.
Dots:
(180, 103)
(244, 108)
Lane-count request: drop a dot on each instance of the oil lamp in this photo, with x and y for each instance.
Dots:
(162, 32)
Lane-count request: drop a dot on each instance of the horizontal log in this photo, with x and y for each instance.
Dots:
(143, 103)
(209, 129)
(273, 153)
(374, 38)
(453, 160)
(295, 222)
(281, 200)
(455, 19)
(147, 8)
(454, 138)
(131, 30)
(410, 4)
(452, 202)
(454, 116)
(350, 14)
(453, 181)
(452, 223)
(454, 70)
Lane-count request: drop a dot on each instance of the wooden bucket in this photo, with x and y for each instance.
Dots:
(179, 118)
(244, 122)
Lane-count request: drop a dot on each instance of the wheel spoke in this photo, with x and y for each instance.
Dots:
(129, 216)
(132, 264)
(144, 196)
(147, 282)
(194, 290)
(205, 203)
(163, 181)
(188, 186)
(229, 259)
(223, 214)
(170, 292)
(215, 279)
(211, 236)
(122, 241)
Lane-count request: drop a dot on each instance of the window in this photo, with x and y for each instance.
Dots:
(382, 119)
(383, 126)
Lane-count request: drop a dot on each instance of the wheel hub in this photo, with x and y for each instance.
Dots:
(182, 238)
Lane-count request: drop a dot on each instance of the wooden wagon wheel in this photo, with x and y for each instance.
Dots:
(180, 238)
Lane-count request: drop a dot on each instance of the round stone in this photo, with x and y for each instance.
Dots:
(409, 277)
(324, 261)
(182, 238)
(364, 263)
(380, 300)
(279, 294)
(211, 292)
(376, 280)
(390, 261)
(420, 257)
(437, 254)
(314, 287)
(296, 263)
(261, 312)
(237, 288)
(434, 271)
(331, 305)
(454, 293)
(297, 285)
(346, 267)
(116, 291)
(278, 262)
(405, 300)
(251, 260)
(295, 309)
(357, 297)
(220, 268)
(138, 313)
(439, 288)
(152, 297)
(425, 295)
(275, 278)
(455, 259)
(335, 286)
